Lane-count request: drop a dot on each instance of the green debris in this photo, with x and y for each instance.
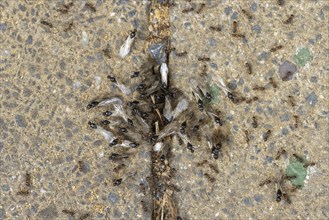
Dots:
(214, 92)
(302, 57)
(296, 171)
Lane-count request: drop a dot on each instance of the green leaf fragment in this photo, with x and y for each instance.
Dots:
(214, 92)
(302, 57)
(296, 171)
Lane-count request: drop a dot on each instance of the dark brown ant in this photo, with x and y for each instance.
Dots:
(280, 2)
(184, 53)
(265, 182)
(254, 122)
(81, 166)
(144, 206)
(208, 96)
(195, 128)
(218, 121)
(65, 8)
(296, 118)
(119, 167)
(92, 104)
(84, 216)
(46, 23)
(289, 20)
(23, 192)
(202, 163)
(190, 147)
(135, 74)
(249, 68)
(115, 156)
(187, 10)
(142, 188)
(112, 79)
(279, 153)
(235, 27)
(28, 180)
(245, 12)
(203, 59)
(238, 35)
(107, 53)
(299, 158)
(182, 127)
(215, 28)
(266, 135)
(276, 48)
(200, 105)
(92, 125)
(130, 122)
(246, 132)
(214, 168)
(204, 70)
(309, 164)
(216, 150)
(209, 178)
(258, 88)
(113, 142)
(117, 182)
(202, 5)
(279, 195)
(273, 83)
(234, 98)
(69, 27)
(68, 212)
(107, 113)
(90, 6)
(105, 122)
(292, 101)
(255, 98)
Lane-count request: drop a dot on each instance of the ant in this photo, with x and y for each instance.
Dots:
(181, 54)
(68, 212)
(83, 217)
(258, 88)
(254, 122)
(209, 178)
(135, 74)
(289, 20)
(28, 180)
(296, 118)
(266, 135)
(245, 12)
(215, 151)
(50, 25)
(117, 182)
(90, 6)
(23, 192)
(249, 68)
(279, 153)
(292, 101)
(214, 28)
(273, 83)
(202, 163)
(235, 27)
(203, 59)
(107, 53)
(246, 132)
(276, 48)
(188, 10)
(202, 5)
(213, 167)
(190, 147)
(204, 70)
(81, 166)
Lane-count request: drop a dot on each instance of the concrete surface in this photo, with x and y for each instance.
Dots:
(49, 74)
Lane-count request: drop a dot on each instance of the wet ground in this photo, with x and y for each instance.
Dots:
(55, 58)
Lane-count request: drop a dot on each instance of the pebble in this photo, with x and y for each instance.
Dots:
(258, 198)
(20, 121)
(29, 40)
(314, 79)
(48, 213)
(287, 71)
(263, 56)
(234, 15)
(247, 201)
(228, 10)
(232, 85)
(285, 117)
(312, 99)
(256, 28)
(2, 214)
(113, 197)
(3, 27)
(284, 131)
(253, 7)
(268, 159)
